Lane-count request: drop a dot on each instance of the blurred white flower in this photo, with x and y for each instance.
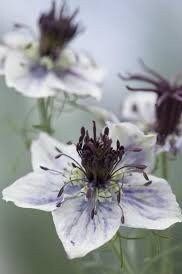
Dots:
(158, 106)
(95, 186)
(139, 108)
(44, 65)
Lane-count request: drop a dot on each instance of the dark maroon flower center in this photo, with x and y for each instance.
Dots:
(56, 31)
(168, 115)
(98, 157)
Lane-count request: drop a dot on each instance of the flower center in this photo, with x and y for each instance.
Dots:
(98, 157)
(56, 31)
(168, 115)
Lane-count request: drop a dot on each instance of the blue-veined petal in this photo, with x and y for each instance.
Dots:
(81, 234)
(37, 190)
(26, 76)
(153, 206)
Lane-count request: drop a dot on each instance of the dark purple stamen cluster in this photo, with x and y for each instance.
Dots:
(98, 157)
(56, 31)
(168, 104)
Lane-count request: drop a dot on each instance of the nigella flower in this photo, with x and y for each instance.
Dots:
(46, 65)
(95, 186)
(165, 120)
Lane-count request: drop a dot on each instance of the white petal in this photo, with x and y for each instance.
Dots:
(130, 136)
(78, 232)
(43, 151)
(74, 84)
(153, 206)
(140, 106)
(37, 190)
(18, 38)
(3, 55)
(87, 68)
(77, 73)
(26, 77)
(84, 65)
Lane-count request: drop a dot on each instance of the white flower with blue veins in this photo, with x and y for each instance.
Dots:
(95, 186)
(44, 65)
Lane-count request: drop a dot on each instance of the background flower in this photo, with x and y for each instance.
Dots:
(44, 66)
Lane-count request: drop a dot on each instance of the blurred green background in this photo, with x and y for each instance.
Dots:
(118, 32)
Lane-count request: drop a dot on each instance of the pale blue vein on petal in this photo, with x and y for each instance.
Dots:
(38, 71)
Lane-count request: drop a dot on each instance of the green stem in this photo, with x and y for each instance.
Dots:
(118, 251)
(45, 118)
(164, 166)
(166, 264)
